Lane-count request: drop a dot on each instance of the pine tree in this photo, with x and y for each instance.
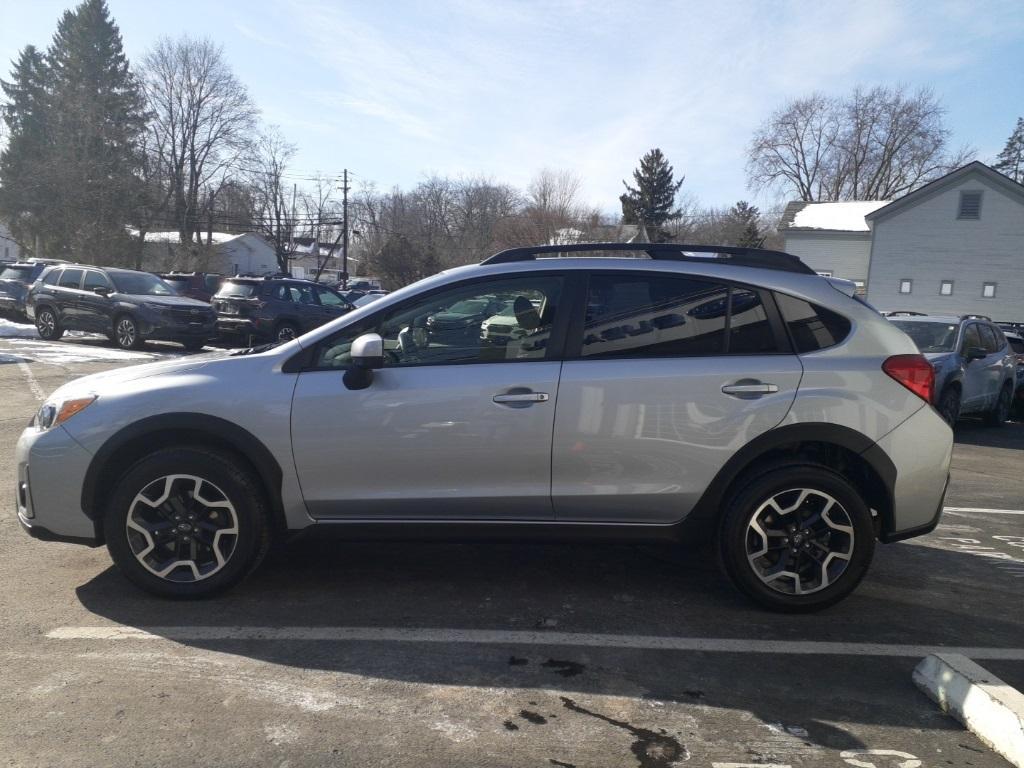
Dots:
(1011, 160)
(652, 201)
(23, 201)
(745, 221)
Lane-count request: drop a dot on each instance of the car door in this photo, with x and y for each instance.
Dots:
(671, 376)
(307, 308)
(67, 297)
(444, 432)
(93, 307)
(331, 304)
(975, 376)
(995, 363)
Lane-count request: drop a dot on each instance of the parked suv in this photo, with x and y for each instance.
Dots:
(15, 280)
(200, 286)
(129, 307)
(795, 424)
(975, 368)
(262, 309)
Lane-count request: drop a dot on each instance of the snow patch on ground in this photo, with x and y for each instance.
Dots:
(9, 329)
(62, 353)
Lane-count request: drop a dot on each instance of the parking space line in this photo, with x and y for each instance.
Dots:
(984, 510)
(522, 637)
(33, 385)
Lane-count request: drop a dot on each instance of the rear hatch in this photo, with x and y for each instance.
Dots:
(237, 298)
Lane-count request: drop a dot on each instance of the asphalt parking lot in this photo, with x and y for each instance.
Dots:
(341, 654)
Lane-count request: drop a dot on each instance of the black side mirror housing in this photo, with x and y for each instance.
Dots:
(101, 291)
(367, 356)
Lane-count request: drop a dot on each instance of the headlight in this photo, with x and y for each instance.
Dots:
(53, 414)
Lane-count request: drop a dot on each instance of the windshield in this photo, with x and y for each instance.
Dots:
(16, 273)
(178, 284)
(140, 284)
(929, 336)
(469, 307)
(239, 290)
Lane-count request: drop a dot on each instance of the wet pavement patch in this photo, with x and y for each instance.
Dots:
(651, 749)
(532, 717)
(564, 668)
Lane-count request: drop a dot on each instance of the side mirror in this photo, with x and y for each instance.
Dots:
(101, 290)
(975, 353)
(367, 356)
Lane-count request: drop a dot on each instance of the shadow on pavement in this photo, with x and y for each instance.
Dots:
(1010, 435)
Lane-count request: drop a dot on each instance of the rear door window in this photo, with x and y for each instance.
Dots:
(94, 279)
(989, 340)
(972, 338)
(811, 326)
(70, 278)
(52, 276)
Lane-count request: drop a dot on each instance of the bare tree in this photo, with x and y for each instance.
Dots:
(875, 144)
(269, 160)
(202, 122)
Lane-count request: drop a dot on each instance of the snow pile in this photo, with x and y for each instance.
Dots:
(843, 217)
(174, 238)
(10, 330)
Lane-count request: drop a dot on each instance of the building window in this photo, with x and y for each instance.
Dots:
(906, 286)
(861, 288)
(970, 205)
(825, 274)
(946, 288)
(988, 290)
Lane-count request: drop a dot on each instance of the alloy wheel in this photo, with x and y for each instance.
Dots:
(46, 323)
(799, 541)
(285, 333)
(126, 332)
(182, 528)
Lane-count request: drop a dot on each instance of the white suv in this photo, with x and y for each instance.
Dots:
(700, 390)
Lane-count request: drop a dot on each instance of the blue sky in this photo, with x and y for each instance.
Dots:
(397, 90)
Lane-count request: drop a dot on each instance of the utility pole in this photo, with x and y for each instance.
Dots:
(344, 231)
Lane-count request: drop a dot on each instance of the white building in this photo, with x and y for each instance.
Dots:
(9, 250)
(228, 254)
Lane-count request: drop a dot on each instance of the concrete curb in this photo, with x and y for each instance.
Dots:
(987, 706)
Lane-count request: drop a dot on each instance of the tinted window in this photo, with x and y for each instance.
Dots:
(141, 284)
(971, 338)
(71, 278)
(330, 298)
(1017, 345)
(750, 333)
(212, 283)
(237, 289)
(280, 292)
(51, 277)
(989, 340)
(812, 327)
(94, 279)
(302, 294)
(22, 274)
(179, 284)
(928, 335)
(654, 316)
(515, 324)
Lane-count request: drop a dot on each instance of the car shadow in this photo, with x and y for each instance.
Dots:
(1009, 435)
(915, 594)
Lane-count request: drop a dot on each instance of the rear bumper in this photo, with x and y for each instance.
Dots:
(9, 305)
(176, 332)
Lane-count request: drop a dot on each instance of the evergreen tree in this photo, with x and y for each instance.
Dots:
(22, 200)
(1011, 160)
(652, 201)
(746, 223)
(70, 168)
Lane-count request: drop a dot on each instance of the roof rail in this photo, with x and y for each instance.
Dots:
(904, 313)
(736, 256)
(976, 317)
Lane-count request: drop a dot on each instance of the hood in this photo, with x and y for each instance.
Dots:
(96, 382)
(171, 301)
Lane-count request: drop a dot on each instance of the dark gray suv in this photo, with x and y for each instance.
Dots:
(257, 309)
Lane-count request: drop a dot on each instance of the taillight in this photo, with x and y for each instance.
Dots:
(914, 372)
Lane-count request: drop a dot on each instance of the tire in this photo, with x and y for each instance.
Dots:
(286, 331)
(48, 325)
(1000, 412)
(126, 333)
(844, 528)
(178, 548)
(193, 345)
(949, 405)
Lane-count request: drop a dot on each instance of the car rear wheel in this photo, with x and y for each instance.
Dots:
(796, 538)
(949, 405)
(126, 333)
(1000, 412)
(186, 522)
(286, 331)
(47, 324)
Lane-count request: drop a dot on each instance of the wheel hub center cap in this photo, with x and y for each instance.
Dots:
(184, 527)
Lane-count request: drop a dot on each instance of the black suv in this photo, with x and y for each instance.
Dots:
(15, 279)
(274, 308)
(129, 307)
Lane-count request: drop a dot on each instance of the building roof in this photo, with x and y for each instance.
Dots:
(218, 238)
(1005, 183)
(832, 217)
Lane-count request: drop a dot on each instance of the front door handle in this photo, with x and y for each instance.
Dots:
(748, 388)
(521, 397)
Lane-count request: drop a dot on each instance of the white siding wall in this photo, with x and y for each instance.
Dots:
(844, 254)
(926, 243)
(251, 254)
(8, 248)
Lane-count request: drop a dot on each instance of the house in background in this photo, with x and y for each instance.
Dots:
(833, 239)
(954, 246)
(227, 254)
(9, 250)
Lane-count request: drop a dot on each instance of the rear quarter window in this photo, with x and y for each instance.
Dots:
(812, 327)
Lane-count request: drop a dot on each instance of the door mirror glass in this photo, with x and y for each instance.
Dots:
(368, 351)
(975, 353)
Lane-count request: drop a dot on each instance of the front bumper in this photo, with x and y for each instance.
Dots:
(179, 331)
(51, 468)
(9, 305)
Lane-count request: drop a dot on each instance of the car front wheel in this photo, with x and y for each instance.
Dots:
(949, 405)
(47, 324)
(1000, 412)
(126, 333)
(186, 522)
(796, 538)
(286, 332)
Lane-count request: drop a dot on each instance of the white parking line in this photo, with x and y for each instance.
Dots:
(521, 637)
(984, 510)
(33, 385)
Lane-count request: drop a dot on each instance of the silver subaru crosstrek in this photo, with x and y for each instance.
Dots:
(646, 392)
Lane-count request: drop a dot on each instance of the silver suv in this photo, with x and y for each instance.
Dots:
(699, 391)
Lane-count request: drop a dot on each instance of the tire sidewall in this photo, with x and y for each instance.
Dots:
(947, 394)
(237, 484)
(117, 339)
(57, 331)
(740, 508)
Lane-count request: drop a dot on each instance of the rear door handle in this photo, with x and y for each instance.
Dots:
(750, 389)
(522, 397)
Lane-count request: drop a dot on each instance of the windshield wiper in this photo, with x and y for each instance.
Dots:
(257, 349)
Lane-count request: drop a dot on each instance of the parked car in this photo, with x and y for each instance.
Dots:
(367, 298)
(798, 430)
(1016, 342)
(461, 322)
(253, 310)
(975, 369)
(196, 285)
(16, 277)
(130, 307)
